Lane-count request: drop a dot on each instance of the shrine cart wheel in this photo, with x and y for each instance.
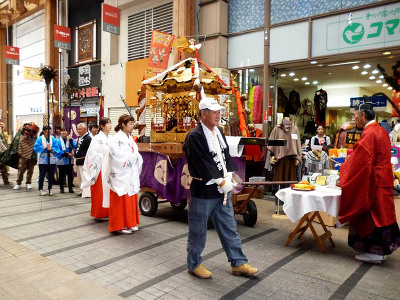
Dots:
(250, 216)
(179, 206)
(148, 204)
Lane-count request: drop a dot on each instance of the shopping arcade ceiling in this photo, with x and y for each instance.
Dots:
(15, 10)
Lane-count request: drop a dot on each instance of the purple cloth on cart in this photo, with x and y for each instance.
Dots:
(170, 178)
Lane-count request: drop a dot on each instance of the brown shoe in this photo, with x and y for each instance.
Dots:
(244, 270)
(201, 272)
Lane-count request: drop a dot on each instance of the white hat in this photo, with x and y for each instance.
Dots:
(211, 104)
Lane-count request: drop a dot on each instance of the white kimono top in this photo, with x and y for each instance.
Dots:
(96, 160)
(124, 165)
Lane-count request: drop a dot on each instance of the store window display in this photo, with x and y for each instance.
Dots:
(250, 82)
(285, 159)
(320, 104)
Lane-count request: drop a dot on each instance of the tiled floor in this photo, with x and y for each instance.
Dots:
(50, 248)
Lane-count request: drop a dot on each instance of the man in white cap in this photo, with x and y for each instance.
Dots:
(211, 167)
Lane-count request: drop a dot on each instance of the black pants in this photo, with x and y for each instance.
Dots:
(43, 170)
(65, 170)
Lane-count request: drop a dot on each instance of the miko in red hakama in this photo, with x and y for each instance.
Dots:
(123, 211)
(98, 211)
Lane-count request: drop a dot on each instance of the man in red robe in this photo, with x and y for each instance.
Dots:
(367, 201)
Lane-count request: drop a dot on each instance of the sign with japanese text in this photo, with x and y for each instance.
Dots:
(62, 37)
(11, 55)
(377, 101)
(88, 92)
(111, 19)
(371, 28)
(84, 75)
(352, 137)
(160, 48)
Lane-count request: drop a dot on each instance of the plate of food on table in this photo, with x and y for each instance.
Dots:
(303, 186)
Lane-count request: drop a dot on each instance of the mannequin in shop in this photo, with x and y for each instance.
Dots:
(293, 104)
(305, 113)
(394, 134)
(320, 103)
(317, 160)
(285, 159)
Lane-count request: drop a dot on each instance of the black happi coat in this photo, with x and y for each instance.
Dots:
(82, 147)
(202, 166)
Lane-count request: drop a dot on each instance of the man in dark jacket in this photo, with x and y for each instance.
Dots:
(212, 167)
(82, 146)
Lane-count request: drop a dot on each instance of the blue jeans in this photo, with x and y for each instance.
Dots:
(225, 224)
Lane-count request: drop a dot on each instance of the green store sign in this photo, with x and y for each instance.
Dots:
(368, 29)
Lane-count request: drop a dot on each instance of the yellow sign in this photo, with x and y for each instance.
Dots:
(321, 180)
(31, 73)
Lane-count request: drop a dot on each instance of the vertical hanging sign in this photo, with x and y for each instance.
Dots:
(12, 55)
(62, 37)
(111, 19)
(160, 48)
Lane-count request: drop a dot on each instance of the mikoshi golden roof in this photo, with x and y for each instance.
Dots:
(181, 78)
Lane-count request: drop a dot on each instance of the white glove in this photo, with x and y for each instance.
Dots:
(227, 187)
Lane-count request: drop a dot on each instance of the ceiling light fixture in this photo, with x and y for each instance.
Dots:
(371, 77)
(387, 53)
(344, 63)
(291, 74)
(375, 71)
(390, 88)
(381, 76)
(315, 82)
(283, 75)
(271, 86)
(378, 81)
(251, 70)
(307, 83)
(296, 79)
(304, 78)
(355, 67)
(364, 73)
(385, 85)
(367, 66)
(313, 62)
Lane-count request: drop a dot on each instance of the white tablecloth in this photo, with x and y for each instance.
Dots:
(298, 203)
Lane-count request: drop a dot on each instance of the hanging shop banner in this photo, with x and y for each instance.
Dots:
(32, 74)
(12, 55)
(160, 48)
(372, 28)
(111, 19)
(75, 119)
(377, 101)
(62, 37)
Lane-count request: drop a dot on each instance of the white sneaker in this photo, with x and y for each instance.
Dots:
(50, 193)
(17, 187)
(42, 193)
(28, 187)
(125, 231)
(370, 258)
(134, 228)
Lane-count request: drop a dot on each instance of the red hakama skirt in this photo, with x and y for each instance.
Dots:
(123, 212)
(98, 211)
